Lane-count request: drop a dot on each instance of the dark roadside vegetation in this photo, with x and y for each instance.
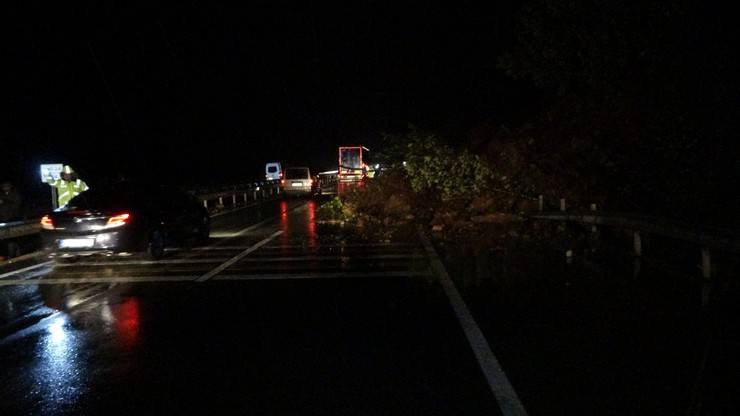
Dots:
(636, 117)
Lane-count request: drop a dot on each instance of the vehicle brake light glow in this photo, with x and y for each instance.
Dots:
(118, 220)
(47, 223)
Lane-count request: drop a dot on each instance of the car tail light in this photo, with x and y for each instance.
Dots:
(118, 220)
(47, 223)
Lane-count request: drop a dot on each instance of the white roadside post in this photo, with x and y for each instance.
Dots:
(51, 171)
(706, 272)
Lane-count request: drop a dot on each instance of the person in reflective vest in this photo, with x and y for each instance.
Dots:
(68, 185)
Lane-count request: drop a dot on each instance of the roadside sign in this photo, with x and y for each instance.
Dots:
(52, 170)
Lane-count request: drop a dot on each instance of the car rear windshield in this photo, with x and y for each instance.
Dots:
(296, 173)
(271, 169)
(103, 200)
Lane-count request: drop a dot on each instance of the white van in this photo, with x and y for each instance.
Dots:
(273, 171)
(298, 181)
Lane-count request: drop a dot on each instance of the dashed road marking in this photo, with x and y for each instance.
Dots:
(111, 279)
(142, 262)
(337, 275)
(506, 397)
(310, 257)
(238, 257)
(252, 227)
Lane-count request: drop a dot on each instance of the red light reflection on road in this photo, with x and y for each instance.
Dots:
(311, 231)
(127, 322)
(285, 236)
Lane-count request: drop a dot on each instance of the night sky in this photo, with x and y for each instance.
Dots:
(195, 93)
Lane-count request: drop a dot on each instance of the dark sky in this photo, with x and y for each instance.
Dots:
(199, 93)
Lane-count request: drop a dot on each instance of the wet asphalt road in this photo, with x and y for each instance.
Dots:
(277, 315)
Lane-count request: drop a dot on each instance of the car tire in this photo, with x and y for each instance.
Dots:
(156, 245)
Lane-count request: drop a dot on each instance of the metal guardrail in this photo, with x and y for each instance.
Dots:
(253, 192)
(18, 229)
(706, 237)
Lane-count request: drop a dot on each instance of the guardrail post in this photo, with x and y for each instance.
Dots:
(245, 198)
(706, 263)
(205, 203)
(233, 200)
(254, 195)
(562, 204)
(541, 202)
(637, 244)
(706, 272)
(221, 201)
(593, 227)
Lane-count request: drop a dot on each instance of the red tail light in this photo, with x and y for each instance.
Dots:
(118, 220)
(47, 223)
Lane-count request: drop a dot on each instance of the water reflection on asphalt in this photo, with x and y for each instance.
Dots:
(58, 376)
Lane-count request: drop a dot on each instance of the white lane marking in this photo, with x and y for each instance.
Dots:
(238, 257)
(389, 245)
(191, 278)
(506, 397)
(310, 257)
(25, 269)
(118, 279)
(338, 275)
(142, 262)
(208, 248)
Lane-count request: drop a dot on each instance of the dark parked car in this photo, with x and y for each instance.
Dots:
(124, 219)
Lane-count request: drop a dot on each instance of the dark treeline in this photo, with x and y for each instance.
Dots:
(642, 107)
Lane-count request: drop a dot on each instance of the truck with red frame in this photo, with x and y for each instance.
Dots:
(352, 168)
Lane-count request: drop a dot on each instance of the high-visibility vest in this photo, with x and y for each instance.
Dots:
(67, 190)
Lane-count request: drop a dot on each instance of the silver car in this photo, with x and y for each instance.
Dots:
(297, 181)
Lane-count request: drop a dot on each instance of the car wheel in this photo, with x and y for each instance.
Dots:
(156, 245)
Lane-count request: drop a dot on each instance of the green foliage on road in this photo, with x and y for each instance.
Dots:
(332, 210)
(435, 168)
